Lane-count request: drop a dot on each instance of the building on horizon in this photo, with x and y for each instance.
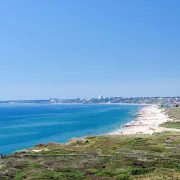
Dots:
(100, 97)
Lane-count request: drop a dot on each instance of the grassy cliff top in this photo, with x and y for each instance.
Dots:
(99, 158)
(174, 113)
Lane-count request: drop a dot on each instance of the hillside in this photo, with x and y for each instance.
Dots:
(115, 157)
(128, 157)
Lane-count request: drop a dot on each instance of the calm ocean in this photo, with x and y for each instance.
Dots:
(23, 126)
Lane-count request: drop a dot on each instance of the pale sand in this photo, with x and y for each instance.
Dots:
(148, 121)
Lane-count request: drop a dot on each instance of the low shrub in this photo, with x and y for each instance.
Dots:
(69, 174)
(22, 165)
(92, 171)
(36, 166)
(123, 177)
(138, 171)
(62, 175)
(173, 166)
(20, 176)
(106, 173)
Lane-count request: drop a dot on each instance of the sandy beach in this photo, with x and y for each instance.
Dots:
(148, 120)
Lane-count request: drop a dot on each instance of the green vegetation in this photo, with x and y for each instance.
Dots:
(19, 176)
(128, 157)
(175, 125)
(174, 113)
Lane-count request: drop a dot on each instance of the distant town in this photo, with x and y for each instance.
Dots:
(163, 101)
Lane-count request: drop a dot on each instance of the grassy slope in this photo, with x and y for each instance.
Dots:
(173, 113)
(175, 125)
(128, 161)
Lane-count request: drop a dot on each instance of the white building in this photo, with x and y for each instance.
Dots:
(100, 97)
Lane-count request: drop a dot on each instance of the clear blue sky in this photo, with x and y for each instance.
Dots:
(63, 48)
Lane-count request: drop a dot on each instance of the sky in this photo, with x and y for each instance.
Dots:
(110, 47)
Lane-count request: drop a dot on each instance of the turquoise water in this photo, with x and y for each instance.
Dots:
(23, 126)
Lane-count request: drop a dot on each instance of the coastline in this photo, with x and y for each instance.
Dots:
(148, 120)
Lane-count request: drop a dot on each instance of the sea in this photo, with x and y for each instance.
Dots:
(25, 125)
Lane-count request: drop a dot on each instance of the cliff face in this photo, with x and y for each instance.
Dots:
(102, 157)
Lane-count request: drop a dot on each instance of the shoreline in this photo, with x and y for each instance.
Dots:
(148, 120)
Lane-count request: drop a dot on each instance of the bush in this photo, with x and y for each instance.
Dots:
(19, 176)
(138, 171)
(64, 174)
(123, 177)
(73, 176)
(92, 171)
(22, 165)
(173, 166)
(36, 166)
(68, 174)
(106, 173)
(47, 175)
